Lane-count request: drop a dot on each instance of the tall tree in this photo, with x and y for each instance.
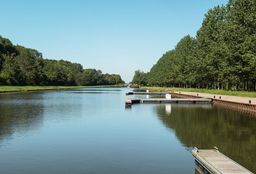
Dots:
(185, 61)
(140, 78)
(240, 37)
(211, 49)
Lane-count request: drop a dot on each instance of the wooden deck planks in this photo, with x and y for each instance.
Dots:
(168, 101)
(218, 163)
(177, 100)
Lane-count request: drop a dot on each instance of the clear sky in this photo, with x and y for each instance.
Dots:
(116, 36)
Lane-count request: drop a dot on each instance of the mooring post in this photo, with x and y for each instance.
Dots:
(168, 96)
(147, 96)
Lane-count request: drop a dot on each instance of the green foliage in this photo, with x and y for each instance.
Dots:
(140, 78)
(24, 66)
(160, 73)
(221, 56)
(112, 79)
(174, 68)
(90, 77)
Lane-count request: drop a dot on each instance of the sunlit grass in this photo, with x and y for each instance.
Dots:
(4, 89)
(209, 91)
(34, 88)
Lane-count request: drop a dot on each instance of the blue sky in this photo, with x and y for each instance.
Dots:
(116, 36)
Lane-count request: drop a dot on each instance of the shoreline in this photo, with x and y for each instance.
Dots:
(16, 89)
(240, 103)
(204, 91)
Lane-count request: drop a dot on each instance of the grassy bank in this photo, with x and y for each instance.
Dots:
(209, 91)
(6, 89)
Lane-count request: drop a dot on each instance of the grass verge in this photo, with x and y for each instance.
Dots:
(6, 89)
(209, 91)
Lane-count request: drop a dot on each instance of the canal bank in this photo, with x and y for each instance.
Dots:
(227, 98)
(246, 103)
(9, 89)
(205, 91)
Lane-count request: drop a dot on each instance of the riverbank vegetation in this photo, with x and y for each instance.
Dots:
(25, 66)
(221, 56)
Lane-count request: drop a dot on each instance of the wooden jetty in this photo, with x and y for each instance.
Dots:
(169, 101)
(165, 100)
(214, 162)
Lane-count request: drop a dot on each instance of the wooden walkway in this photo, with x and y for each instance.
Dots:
(215, 162)
(167, 101)
(242, 100)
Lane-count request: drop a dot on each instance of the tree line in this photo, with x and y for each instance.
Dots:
(222, 55)
(25, 66)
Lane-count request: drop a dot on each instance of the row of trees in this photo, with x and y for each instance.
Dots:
(221, 56)
(24, 66)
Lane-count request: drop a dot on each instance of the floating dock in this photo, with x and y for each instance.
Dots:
(214, 162)
(169, 101)
(165, 100)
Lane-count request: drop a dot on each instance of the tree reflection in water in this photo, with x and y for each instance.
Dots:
(19, 113)
(204, 127)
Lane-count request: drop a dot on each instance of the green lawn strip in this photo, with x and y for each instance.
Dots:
(5, 89)
(209, 91)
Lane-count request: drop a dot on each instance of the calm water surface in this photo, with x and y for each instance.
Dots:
(90, 131)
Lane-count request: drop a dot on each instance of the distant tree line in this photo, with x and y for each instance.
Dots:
(24, 66)
(221, 56)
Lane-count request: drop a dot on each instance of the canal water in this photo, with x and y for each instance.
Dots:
(90, 131)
